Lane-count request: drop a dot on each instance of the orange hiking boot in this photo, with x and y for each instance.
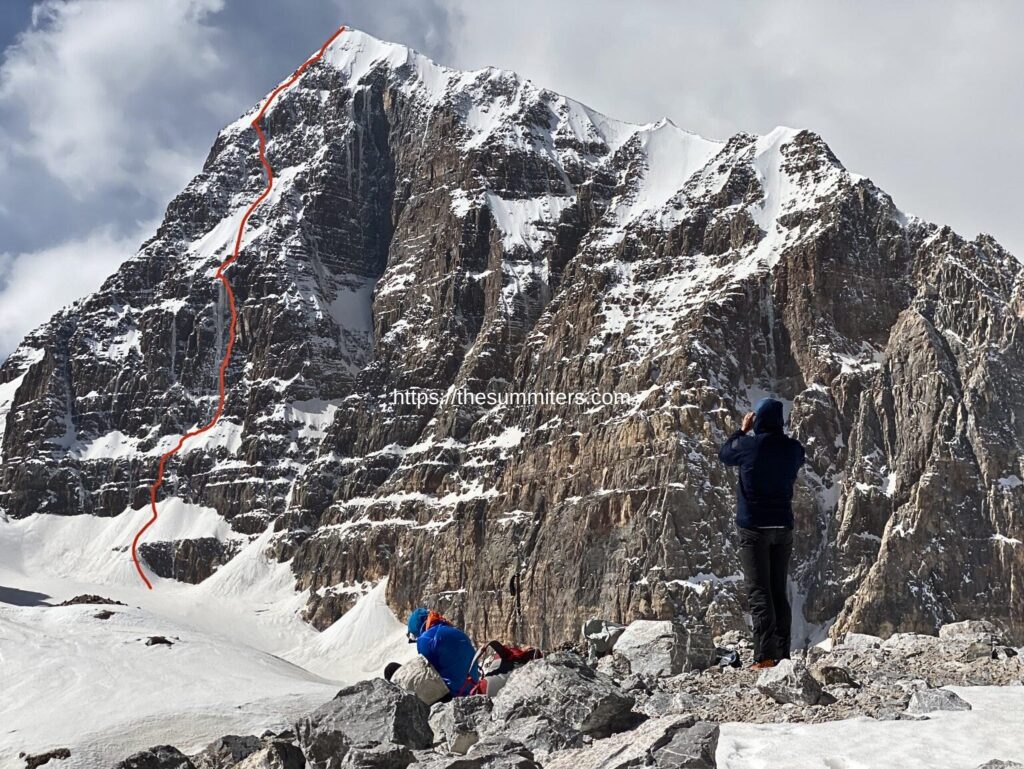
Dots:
(763, 664)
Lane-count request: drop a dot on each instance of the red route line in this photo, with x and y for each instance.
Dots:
(231, 299)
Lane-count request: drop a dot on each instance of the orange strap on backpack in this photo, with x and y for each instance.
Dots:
(433, 618)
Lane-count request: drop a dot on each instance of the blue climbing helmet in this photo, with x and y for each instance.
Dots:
(417, 620)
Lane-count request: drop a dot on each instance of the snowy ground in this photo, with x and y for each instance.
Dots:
(69, 679)
(947, 740)
(242, 659)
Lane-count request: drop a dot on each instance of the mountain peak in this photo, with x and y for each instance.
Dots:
(432, 231)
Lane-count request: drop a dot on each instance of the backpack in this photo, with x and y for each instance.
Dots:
(496, 661)
(420, 678)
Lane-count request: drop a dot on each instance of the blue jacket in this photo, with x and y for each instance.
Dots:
(768, 462)
(451, 652)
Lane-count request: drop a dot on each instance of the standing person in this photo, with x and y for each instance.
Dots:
(446, 647)
(768, 462)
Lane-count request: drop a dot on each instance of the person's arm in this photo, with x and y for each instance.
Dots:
(730, 453)
(426, 647)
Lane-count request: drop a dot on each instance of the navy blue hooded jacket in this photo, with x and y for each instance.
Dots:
(768, 461)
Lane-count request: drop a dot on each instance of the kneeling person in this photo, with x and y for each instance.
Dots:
(445, 647)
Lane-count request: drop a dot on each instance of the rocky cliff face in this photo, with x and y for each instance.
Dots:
(433, 231)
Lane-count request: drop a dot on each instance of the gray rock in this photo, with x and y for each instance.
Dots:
(385, 756)
(970, 650)
(562, 687)
(732, 639)
(227, 751)
(159, 757)
(661, 648)
(790, 682)
(616, 667)
(930, 700)
(861, 641)
(365, 715)
(35, 760)
(601, 635)
(541, 735)
(635, 683)
(974, 629)
(188, 560)
(908, 643)
(814, 654)
(996, 763)
(276, 755)
(667, 743)
(663, 703)
(690, 748)
(447, 762)
(501, 752)
(457, 724)
(833, 675)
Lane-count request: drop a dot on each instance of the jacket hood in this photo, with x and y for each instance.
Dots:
(768, 416)
(416, 622)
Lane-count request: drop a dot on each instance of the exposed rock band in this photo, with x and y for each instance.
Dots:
(767, 461)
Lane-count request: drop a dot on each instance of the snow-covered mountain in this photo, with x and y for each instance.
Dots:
(432, 230)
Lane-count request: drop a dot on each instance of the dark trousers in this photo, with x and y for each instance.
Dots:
(764, 554)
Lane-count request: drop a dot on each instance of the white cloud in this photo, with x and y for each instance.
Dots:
(36, 284)
(95, 91)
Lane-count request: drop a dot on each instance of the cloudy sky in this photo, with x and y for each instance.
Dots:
(108, 107)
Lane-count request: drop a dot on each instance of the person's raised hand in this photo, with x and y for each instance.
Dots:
(748, 422)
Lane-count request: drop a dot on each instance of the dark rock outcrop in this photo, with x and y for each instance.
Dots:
(929, 700)
(790, 682)
(39, 759)
(188, 560)
(90, 599)
(564, 689)
(276, 755)
(160, 757)
(677, 742)
(370, 720)
(226, 752)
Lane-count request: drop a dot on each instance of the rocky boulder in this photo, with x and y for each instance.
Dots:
(662, 648)
(662, 703)
(563, 688)
(365, 715)
(457, 723)
(971, 629)
(833, 675)
(276, 755)
(387, 755)
(790, 682)
(160, 757)
(601, 636)
(862, 641)
(929, 700)
(33, 761)
(666, 743)
(910, 643)
(541, 735)
(226, 752)
(501, 753)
